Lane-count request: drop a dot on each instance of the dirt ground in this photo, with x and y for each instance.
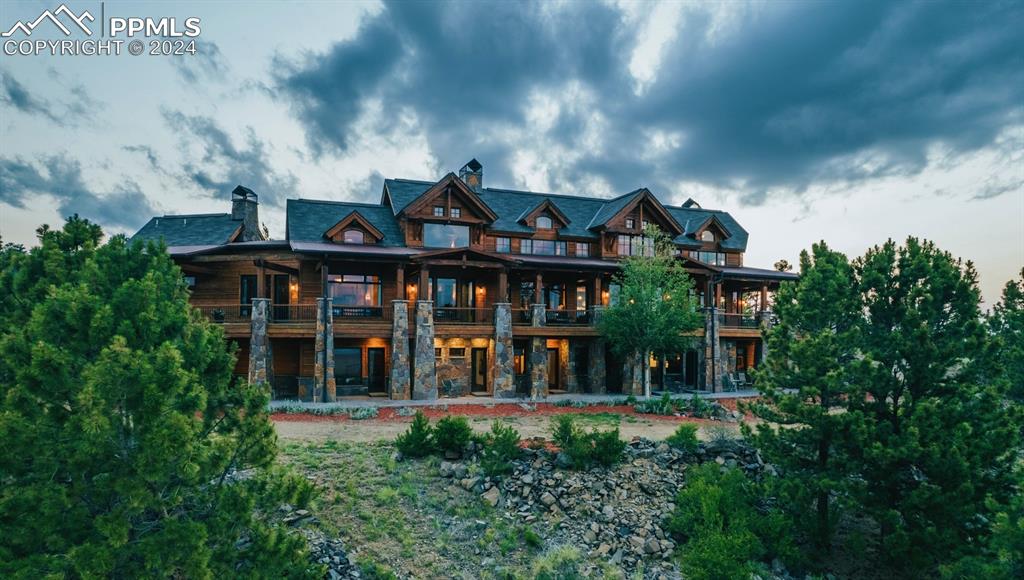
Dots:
(309, 428)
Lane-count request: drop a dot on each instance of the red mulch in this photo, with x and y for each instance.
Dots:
(496, 410)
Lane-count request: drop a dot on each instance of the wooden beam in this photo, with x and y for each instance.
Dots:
(423, 290)
(277, 267)
(400, 282)
(502, 286)
(465, 263)
(193, 269)
(596, 300)
(261, 285)
(538, 283)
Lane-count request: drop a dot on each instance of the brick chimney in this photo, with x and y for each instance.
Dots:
(473, 174)
(245, 208)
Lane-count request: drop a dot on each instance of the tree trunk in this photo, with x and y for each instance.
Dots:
(646, 370)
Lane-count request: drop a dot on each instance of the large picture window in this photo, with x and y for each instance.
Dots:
(635, 246)
(445, 236)
(354, 290)
(503, 245)
(348, 366)
(713, 258)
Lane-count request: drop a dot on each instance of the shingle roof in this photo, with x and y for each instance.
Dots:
(308, 219)
(692, 218)
(190, 230)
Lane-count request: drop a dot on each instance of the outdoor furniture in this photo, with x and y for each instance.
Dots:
(743, 380)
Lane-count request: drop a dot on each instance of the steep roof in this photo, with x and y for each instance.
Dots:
(308, 219)
(691, 218)
(190, 230)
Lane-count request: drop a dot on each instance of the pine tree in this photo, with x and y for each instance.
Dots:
(1006, 324)
(936, 441)
(656, 307)
(803, 383)
(124, 432)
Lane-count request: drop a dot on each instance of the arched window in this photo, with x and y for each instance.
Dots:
(707, 236)
(353, 237)
(544, 222)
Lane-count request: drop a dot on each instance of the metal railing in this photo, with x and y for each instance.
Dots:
(732, 320)
(226, 313)
(357, 313)
(449, 315)
(521, 317)
(569, 317)
(292, 312)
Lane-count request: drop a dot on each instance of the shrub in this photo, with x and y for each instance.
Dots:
(698, 407)
(418, 441)
(564, 431)
(559, 563)
(662, 406)
(374, 571)
(452, 433)
(722, 531)
(586, 449)
(501, 446)
(361, 413)
(605, 447)
(685, 438)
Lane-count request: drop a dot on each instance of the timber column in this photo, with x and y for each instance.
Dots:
(712, 352)
(504, 386)
(261, 357)
(324, 385)
(424, 385)
(538, 355)
(400, 379)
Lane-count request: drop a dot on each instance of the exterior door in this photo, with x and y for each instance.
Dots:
(552, 369)
(247, 291)
(375, 370)
(478, 368)
(281, 297)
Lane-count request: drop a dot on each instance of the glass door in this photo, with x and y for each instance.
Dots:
(281, 296)
(479, 370)
(375, 370)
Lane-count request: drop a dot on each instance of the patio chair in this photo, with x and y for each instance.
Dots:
(743, 382)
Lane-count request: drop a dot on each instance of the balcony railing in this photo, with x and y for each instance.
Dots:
(360, 313)
(292, 312)
(226, 313)
(569, 317)
(740, 321)
(521, 317)
(446, 315)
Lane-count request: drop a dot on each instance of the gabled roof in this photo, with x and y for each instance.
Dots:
(713, 220)
(356, 218)
(210, 229)
(693, 217)
(544, 205)
(628, 201)
(450, 180)
(308, 220)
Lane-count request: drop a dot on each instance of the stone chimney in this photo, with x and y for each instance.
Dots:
(245, 208)
(473, 174)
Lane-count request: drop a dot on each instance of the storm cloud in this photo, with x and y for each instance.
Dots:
(60, 176)
(794, 95)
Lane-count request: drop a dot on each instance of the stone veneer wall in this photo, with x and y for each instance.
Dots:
(504, 385)
(261, 357)
(324, 385)
(597, 370)
(538, 355)
(400, 379)
(712, 353)
(424, 385)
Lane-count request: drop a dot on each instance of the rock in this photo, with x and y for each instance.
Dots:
(469, 483)
(526, 479)
(563, 460)
(460, 470)
(602, 550)
(397, 456)
(652, 546)
(589, 537)
(446, 469)
(636, 542)
(663, 448)
(548, 499)
(491, 496)
(449, 454)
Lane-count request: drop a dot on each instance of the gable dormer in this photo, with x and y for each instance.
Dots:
(632, 212)
(354, 229)
(447, 213)
(544, 216)
(711, 232)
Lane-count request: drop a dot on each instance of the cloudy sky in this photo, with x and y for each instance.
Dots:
(851, 122)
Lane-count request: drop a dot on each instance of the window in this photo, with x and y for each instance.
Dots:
(713, 258)
(525, 295)
(581, 298)
(445, 236)
(352, 237)
(355, 290)
(190, 282)
(548, 248)
(582, 249)
(707, 236)
(553, 296)
(646, 224)
(503, 245)
(437, 353)
(446, 293)
(630, 223)
(635, 245)
(456, 212)
(526, 247)
(348, 366)
(247, 288)
(456, 353)
(438, 211)
(543, 222)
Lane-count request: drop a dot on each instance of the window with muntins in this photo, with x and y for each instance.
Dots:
(526, 246)
(456, 212)
(438, 211)
(503, 245)
(635, 245)
(630, 223)
(355, 290)
(582, 249)
(707, 236)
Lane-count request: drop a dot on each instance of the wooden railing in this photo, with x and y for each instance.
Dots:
(448, 315)
(226, 313)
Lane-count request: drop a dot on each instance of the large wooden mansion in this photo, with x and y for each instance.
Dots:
(450, 288)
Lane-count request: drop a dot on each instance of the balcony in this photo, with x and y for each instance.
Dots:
(448, 315)
(292, 312)
(226, 313)
(733, 320)
(569, 317)
(359, 313)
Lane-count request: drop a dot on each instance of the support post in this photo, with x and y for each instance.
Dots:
(504, 386)
(261, 357)
(538, 355)
(424, 386)
(400, 379)
(400, 282)
(712, 352)
(324, 385)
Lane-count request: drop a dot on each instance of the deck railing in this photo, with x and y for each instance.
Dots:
(448, 315)
(739, 320)
(226, 313)
(521, 317)
(569, 317)
(292, 312)
(360, 313)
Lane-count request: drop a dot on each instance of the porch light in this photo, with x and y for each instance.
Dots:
(410, 290)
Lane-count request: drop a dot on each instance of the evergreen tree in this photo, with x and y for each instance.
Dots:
(1006, 323)
(936, 442)
(804, 381)
(656, 307)
(125, 435)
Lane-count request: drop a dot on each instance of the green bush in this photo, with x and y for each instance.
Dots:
(685, 438)
(722, 531)
(663, 406)
(605, 447)
(564, 431)
(374, 571)
(452, 433)
(586, 449)
(501, 447)
(698, 407)
(561, 563)
(418, 441)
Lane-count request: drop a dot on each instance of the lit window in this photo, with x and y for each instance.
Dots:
(456, 212)
(503, 245)
(544, 222)
(352, 237)
(438, 211)
(582, 249)
(630, 223)
(445, 236)
(707, 236)
(456, 353)
(526, 247)
(348, 366)
(437, 353)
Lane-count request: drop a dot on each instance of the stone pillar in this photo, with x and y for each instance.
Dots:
(712, 352)
(504, 385)
(424, 384)
(400, 380)
(324, 386)
(597, 370)
(261, 357)
(538, 355)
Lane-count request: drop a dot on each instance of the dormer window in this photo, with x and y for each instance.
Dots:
(707, 236)
(543, 222)
(352, 237)
(646, 224)
(456, 212)
(630, 223)
(438, 211)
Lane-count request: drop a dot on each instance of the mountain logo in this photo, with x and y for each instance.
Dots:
(27, 27)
